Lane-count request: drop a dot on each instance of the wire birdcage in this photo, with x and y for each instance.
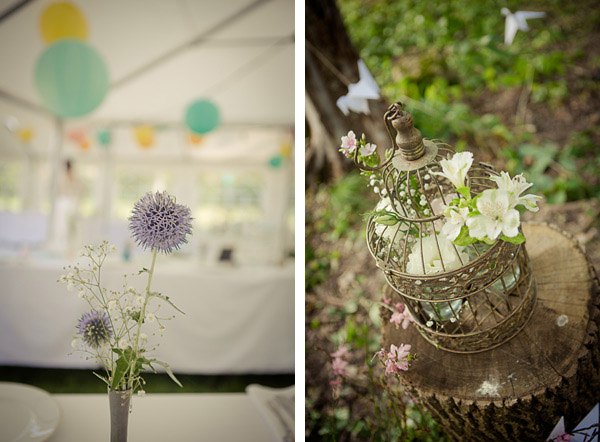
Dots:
(462, 299)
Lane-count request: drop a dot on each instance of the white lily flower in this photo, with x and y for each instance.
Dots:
(456, 168)
(456, 217)
(515, 187)
(497, 216)
(427, 255)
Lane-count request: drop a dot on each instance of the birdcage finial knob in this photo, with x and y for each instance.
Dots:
(408, 138)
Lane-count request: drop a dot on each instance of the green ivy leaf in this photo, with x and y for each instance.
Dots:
(387, 220)
(518, 239)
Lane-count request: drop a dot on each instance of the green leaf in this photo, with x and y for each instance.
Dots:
(168, 370)
(463, 238)
(518, 239)
(464, 191)
(121, 367)
(102, 378)
(168, 301)
(387, 220)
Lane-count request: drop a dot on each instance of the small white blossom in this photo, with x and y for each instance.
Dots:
(143, 336)
(141, 393)
(456, 168)
(367, 149)
(123, 344)
(150, 317)
(348, 145)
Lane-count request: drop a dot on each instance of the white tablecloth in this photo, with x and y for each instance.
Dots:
(237, 320)
(164, 417)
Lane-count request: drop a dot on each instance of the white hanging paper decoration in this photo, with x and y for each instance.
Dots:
(358, 93)
(517, 22)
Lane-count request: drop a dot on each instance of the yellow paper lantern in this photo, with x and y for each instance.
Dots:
(25, 134)
(63, 20)
(144, 135)
(286, 149)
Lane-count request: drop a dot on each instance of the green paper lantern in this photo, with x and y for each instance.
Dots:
(202, 116)
(71, 78)
(276, 161)
(104, 137)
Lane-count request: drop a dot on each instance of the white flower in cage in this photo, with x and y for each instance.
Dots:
(389, 232)
(496, 216)
(455, 220)
(514, 188)
(434, 254)
(455, 169)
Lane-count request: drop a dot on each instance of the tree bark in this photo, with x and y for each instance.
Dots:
(518, 391)
(331, 63)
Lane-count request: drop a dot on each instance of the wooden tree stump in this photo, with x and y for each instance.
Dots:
(519, 390)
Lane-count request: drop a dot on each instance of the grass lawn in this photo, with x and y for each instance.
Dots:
(83, 381)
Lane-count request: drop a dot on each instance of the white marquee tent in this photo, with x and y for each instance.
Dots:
(161, 55)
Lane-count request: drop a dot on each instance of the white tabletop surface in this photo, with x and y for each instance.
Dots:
(182, 417)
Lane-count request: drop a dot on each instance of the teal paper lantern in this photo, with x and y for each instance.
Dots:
(104, 137)
(71, 78)
(202, 116)
(276, 161)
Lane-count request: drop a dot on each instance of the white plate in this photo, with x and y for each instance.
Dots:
(27, 414)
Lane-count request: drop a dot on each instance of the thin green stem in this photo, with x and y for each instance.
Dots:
(141, 318)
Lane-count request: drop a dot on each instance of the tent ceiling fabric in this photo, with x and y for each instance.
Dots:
(163, 55)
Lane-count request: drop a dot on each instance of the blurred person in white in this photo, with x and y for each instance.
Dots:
(64, 234)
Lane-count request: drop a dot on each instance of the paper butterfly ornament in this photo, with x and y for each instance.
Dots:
(358, 93)
(517, 22)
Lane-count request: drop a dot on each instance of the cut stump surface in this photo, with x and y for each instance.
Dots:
(520, 389)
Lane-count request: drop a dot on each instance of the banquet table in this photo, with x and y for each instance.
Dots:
(237, 319)
(217, 417)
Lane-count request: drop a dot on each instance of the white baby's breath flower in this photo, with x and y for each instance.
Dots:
(497, 216)
(75, 343)
(111, 305)
(428, 253)
(150, 317)
(456, 168)
(139, 300)
(455, 220)
(123, 343)
(143, 336)
(514, 188)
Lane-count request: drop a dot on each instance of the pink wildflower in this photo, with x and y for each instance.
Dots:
(348, 144)
(368, 149)
(339, 367)
(396, 360)
(401, 316)
(341, 352)
(386, 300)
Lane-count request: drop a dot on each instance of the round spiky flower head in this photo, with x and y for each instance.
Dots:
(159, 223)
(94, 328)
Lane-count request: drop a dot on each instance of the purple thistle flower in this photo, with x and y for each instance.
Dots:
(159, 223)
(95, 328)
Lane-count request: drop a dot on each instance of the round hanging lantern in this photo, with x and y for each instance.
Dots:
(275, 161)
(104, 137)
(202, 116)
(62, 20)
(144, 135)
(463, 299)
(71, 78)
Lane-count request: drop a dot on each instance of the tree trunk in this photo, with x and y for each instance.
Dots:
(518, 391)
(331, 63)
